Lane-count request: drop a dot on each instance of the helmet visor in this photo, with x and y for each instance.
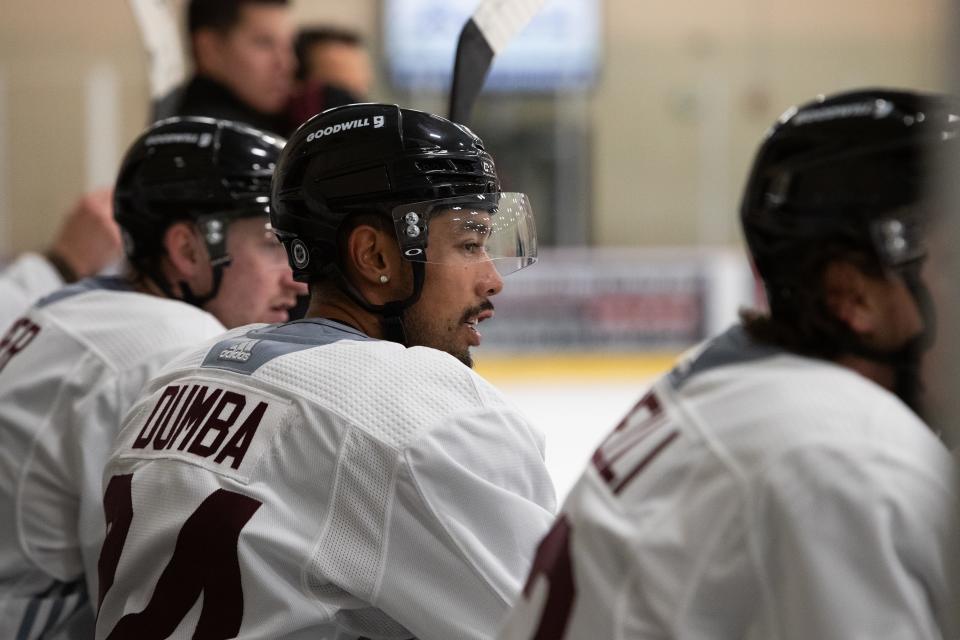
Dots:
(488, 227)
(269, 251)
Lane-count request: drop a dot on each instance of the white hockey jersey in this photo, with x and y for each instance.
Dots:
(69, 371)
(27, 279)
(306, 481)
(754, 494)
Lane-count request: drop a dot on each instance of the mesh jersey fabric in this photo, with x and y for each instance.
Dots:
(395, 492)
(22, 282)
(754, 494)
(62, 398)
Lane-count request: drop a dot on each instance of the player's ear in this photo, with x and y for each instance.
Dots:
(850, 295)
(185, 252)
(374, 264)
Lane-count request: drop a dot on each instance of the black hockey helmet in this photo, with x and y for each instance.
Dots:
(850, 172)
(192, 168)
(847, 169)
(417, 169)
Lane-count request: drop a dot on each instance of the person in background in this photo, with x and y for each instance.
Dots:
(244, 63)
(334, 56)
(333, 69)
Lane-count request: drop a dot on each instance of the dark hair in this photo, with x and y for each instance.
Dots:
(309, 38)
(220, 15)
(802, 322)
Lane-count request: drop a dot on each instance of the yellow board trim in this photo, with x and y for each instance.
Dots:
(579, 366)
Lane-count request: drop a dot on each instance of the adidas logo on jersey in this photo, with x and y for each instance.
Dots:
(239, 352)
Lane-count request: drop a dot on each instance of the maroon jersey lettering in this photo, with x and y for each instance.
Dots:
(554, 563)
(204, 563)
(203, 423)
(629, 449)
(20, 334)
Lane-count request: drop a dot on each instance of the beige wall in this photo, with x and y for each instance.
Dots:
(48, 49)
(687, 89)
(687, 93)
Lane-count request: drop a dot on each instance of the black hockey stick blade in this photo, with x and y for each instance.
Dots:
(488, 31)
(470, 68)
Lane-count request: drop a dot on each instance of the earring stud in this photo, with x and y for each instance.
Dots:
(384, 278)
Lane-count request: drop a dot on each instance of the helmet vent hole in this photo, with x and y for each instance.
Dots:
(464, 165)
(435, 164)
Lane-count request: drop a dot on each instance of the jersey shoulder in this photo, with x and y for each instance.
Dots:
(123, 327)
(381, 386)
(732, 380)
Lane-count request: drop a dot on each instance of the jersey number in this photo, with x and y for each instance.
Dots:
(553, 562)
(204, 561)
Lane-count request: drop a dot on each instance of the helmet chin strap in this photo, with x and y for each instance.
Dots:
(213, 230)
(391, 313)
(187, 294)
(906, 360)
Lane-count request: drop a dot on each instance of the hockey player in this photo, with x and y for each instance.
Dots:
(774, 485)
(191, 198)
(343, 476)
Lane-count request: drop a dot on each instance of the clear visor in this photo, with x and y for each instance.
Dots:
(489, 227)
(269, 250)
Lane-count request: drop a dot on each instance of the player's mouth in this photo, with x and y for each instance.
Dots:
(473, 318)
(280, 312)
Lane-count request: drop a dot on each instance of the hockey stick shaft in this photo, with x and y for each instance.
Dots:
(488, 31)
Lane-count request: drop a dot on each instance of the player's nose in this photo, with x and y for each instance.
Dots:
(489, 281)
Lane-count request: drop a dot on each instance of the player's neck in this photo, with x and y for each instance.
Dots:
(882, 374)
(347, 313)
(143, 284)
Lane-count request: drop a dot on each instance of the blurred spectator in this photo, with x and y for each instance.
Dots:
(334, 56)
(87, 241)
(243, 55)
(333, 69)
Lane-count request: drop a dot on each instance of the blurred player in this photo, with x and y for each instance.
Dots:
(191, 198)
(347, 475)
(88, 240)
(774, 485)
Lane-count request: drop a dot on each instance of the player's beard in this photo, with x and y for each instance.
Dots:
(423, 330)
